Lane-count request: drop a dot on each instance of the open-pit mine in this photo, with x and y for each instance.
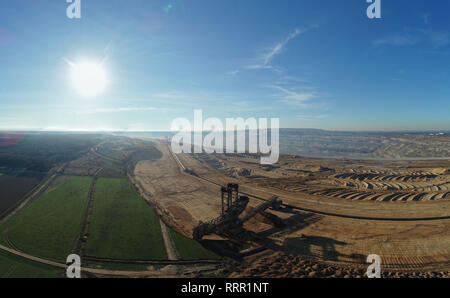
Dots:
(329, 216)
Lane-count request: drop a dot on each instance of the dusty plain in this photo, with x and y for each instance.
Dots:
(337, 212)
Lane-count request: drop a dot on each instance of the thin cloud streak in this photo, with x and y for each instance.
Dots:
(264, 62)
(296, 98)
(170, 95)
(120, 110)
(278, 48)
(413, 37)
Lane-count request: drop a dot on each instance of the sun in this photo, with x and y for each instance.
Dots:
(89, 78)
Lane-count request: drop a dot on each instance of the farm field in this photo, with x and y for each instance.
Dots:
(49, 226)
(122, 225)
(16, 267)
(14, 187)
(40, 151)
(189, 249)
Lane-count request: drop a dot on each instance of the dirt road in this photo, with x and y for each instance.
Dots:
(171, 250)
(168, 271)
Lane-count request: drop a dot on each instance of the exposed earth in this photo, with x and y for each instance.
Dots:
(334, 212)
(337, 212)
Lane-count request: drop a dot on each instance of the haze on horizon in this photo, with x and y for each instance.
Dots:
(313, 64)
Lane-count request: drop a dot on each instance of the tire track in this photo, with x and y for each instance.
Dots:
(171, 250)
(80, 243)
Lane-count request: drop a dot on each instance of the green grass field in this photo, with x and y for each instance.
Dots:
(2, 241)
(122, 225)
(189, 249)
(12, 266)
(48, 226)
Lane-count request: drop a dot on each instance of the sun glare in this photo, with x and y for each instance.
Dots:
(89, 78)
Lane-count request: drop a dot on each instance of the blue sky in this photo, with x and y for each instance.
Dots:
(311, 63)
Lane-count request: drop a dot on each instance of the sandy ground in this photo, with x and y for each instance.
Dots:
(408, 237)
(182, 199)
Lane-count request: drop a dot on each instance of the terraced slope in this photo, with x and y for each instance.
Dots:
(378, 186)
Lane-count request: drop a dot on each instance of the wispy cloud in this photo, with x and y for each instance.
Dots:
(234, 72)
(278, 48)
(399, 40)
(294, 96)
(410, 37)
(311, 117)
(436, 38)
(170, 95)
(425, 17)
(258, 66)
(119, 110)
(292, 90)
(288, 78)
(264, 61)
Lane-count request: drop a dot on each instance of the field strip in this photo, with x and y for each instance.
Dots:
(133, 233)
(171, 250)
(79, 246)
(34, 194)
(317, 211)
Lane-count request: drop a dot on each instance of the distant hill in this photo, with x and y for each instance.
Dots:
(354, 144)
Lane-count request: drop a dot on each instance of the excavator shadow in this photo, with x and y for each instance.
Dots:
(297, 221)
(242, 242)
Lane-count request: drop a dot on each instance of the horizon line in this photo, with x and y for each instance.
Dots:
(175, 131)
